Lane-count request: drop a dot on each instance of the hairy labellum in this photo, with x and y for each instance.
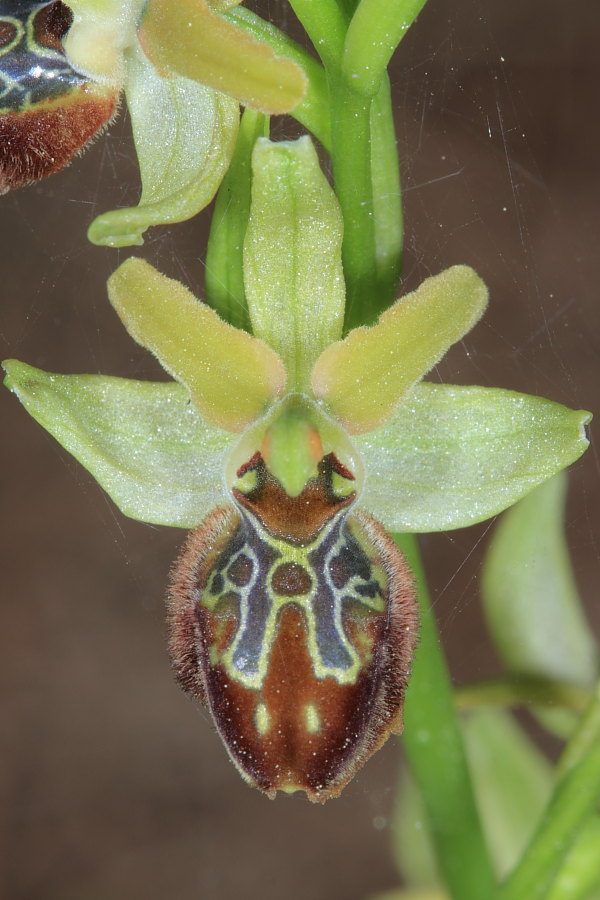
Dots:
(293, 620)
(48, 110)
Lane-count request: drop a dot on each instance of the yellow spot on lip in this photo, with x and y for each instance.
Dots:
(262, 719)
(290, 788)
(311, 718)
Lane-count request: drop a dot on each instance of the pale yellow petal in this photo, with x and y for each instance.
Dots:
(187, 37)
(232, 377)
(363, 378)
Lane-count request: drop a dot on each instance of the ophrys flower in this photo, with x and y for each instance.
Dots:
(291, 610)
(183, 69)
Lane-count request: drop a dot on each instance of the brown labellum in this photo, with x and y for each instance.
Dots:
(48, 111)
(293, 620)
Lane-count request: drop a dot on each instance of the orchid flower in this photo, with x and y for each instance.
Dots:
(292, 452)
(183, 69)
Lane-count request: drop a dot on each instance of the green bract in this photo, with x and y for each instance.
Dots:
(512, 781)
(184, 69)
(530, 596)
(435, 456)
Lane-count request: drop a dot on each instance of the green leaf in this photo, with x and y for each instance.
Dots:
(231, 376)
(436, 753)
(143, 442)
(224, 278)
(570, 807)
(512, 781)
(452, 456)
(363, 378)
(400, 894)
(411, 843)
(292, 256)
(184, 137)
(580, 872)
(186, 37)
(529, 593)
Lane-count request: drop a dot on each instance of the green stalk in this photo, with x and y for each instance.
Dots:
(313, 111)
(521, 691)
(583, 740)
(224, 275)
(387, 199)
(580, 873)
(570, 806)
(436, 754)
(325, 24)
(376, 29)
(350, 116)
(351, 159)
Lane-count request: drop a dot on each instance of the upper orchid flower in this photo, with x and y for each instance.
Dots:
(292, 612)
(184, 69)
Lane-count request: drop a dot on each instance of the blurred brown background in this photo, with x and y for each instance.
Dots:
(112, 784)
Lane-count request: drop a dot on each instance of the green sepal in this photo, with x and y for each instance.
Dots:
(231, 376)
(452, 455)
(512, 781)
(224, 272)
(143, 442)
(530, 598)
(364, 377)
(184, 137)
(292, 256)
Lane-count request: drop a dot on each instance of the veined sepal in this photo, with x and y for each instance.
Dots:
(184, 135)
(143, 442)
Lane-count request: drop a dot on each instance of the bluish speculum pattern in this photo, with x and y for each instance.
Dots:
(293, 620)
(48, 110)
(33, 67)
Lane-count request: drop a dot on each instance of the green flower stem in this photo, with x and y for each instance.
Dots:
(521, 691)
(570, 806)
(351, 158)
(582, 741)
(436, 754)
(313, 111)
(387, 198)
(348, 7)
(376, 29)
(224, 278)
(350, 114)
(580, 874)
(365, 165)
(325, 24)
